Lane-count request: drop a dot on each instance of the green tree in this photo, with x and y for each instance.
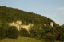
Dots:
(0, 23)
(49, 37)
(2, 33)
(60, 33)
(12, 32)
(48, 33)
(36, 31)
(24, 32)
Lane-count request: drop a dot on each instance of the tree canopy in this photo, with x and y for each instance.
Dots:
(8, 14)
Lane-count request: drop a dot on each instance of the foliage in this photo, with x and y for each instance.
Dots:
(35, 31)
(60, 33)
(8, 15)
(50, 37)
(24, 32)
(0, 23)
(12, 32)
(2, 33)
(43, 32)
(49, 33)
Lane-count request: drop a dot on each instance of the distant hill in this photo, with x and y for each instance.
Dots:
(8, 14)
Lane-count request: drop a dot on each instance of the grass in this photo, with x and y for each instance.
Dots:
(23, 39)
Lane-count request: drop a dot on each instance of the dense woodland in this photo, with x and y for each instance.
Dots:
(8, 14)
(38, 31)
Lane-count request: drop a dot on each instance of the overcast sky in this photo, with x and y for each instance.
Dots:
(53, 9)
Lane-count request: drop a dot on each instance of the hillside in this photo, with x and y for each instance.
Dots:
(43, 28)
(8, 15)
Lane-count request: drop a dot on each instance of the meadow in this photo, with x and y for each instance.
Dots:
(24, 39)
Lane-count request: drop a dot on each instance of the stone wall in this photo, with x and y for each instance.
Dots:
(26, 26)
(19, 26)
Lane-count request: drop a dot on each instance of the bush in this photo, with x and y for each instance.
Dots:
(49, 37)
(2, 33)
(12, 32)
(24, 32)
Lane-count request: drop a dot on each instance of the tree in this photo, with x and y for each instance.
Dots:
(49, 37)
(36, 31)
(12, 32)
(60, 33)
(24, 32)
(0, 23)
(48, 33)
(2, 33)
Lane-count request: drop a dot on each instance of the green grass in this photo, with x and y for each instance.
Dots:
(23, 39)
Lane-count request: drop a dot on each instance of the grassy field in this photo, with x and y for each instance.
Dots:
(23, 39)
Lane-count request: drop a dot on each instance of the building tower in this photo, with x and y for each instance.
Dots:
(51, 24)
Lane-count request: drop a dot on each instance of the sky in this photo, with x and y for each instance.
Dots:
(53, 9)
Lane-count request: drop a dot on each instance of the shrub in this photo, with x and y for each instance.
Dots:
(24, 32)
(49, 37)
(2, 33)
(12, 32)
